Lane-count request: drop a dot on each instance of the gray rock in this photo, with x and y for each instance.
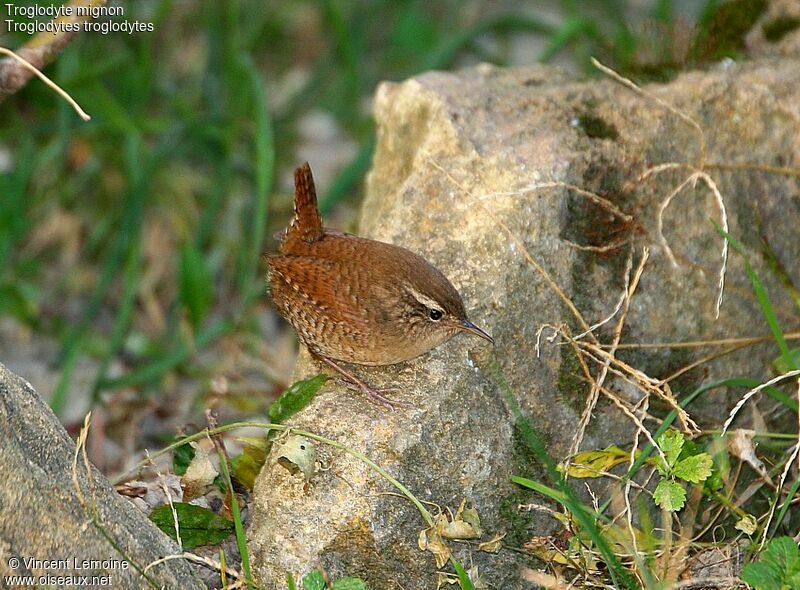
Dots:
(43, 518)
(456, 158)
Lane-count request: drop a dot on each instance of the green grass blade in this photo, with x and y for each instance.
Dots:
(241, 540)
(449, 49)
(124, 316)
(563, 492)
(195, 284)
(786, 503)
(463, 577)
(571, 30)
(762, 297)
(588, 520)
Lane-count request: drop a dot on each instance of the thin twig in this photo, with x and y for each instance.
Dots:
(81, 113)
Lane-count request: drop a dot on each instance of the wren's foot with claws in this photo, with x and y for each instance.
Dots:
(352, 382)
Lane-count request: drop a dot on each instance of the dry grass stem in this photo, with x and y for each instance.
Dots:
(643, 382)
(592, 196)
(581, 354)
(702, 361)
(640, 427)
(597, 249)
(712, 186)
(697, 174)
(207, 561)
(163, 481)
(752, 392)
(556, 331)
(780, 170)
(622, 298)
(660, 220)
(80, 446)
(630, 288)
(81, 113)
(795, 456)
(640, 91)
(746, 340)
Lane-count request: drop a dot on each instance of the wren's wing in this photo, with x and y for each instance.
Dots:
(307, 223)
(310, 293)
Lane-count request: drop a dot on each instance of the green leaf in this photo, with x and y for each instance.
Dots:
(778, 566)
(198, 526)
(669, 495)
(349, 584)
(181, 458)
(671, 444)
(694, 469)
(762, 576)
(596, 463)
(195, 284)
(314, 581)
(295, 398)
(246, 466)
(463, 577)
(290, 581)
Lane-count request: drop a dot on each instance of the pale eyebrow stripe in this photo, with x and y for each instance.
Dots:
(424, 299)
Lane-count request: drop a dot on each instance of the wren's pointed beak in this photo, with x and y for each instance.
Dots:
(468, 326)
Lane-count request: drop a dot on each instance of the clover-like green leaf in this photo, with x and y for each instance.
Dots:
(671, 444)
(669, 495)
(694, 469)
(778, 566)
(314, 581)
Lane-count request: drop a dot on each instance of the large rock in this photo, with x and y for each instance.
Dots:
(459, 156)
(45, 530)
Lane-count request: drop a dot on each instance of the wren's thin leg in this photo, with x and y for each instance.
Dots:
(363, 387)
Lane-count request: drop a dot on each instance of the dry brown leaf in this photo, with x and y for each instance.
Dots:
(430, 539)
(741, 445)
(199, 476)
(493, 545)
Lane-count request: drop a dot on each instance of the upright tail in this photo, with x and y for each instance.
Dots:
(307, 222)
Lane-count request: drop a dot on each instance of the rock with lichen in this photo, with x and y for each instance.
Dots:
(531, 192)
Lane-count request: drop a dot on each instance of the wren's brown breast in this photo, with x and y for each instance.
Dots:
(357, 300)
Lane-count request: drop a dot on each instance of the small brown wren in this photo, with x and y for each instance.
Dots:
(357, 300)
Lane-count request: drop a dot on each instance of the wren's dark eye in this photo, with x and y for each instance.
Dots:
(435, 314)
